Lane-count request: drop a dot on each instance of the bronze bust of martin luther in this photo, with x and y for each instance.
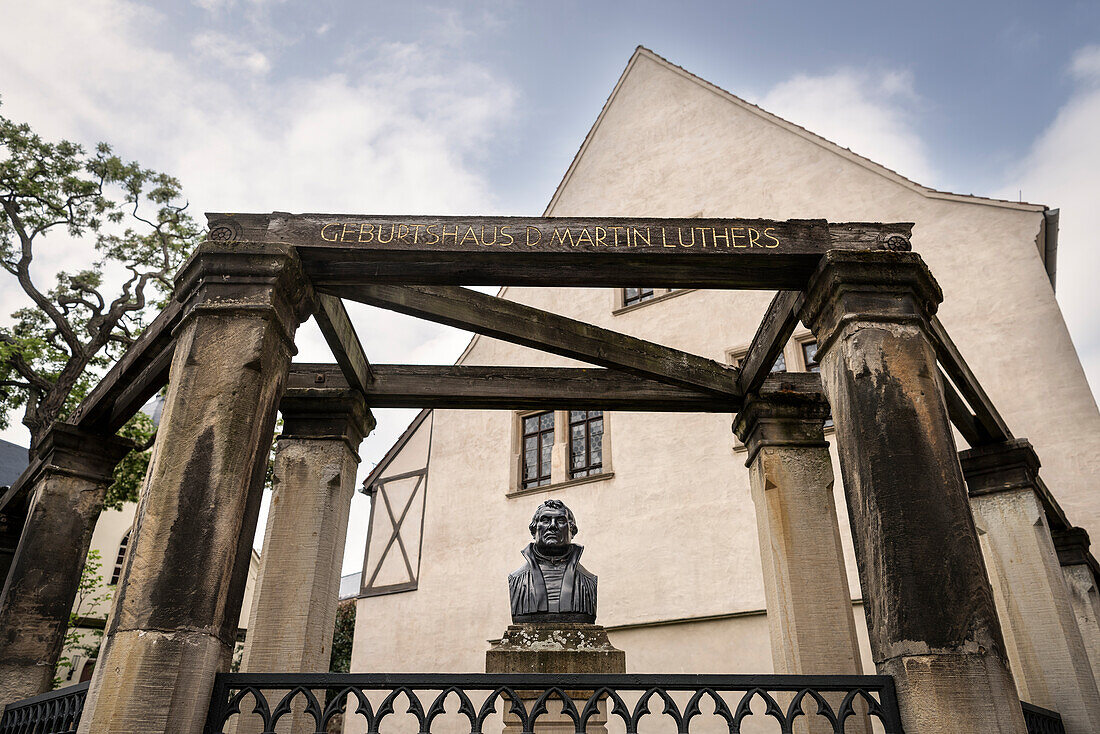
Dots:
(552, 585)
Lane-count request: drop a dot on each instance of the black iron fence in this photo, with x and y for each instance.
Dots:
(321, 700)
(56, 712)
(469, 702)
(1042, 721)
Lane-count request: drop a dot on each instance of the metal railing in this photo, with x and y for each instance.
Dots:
(1042, 721)
(56, 712)
(265, 699)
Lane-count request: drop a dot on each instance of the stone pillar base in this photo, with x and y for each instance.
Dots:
(941, 698)
(558, 648)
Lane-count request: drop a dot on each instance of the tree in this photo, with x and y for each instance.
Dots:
(342, 634)
(91, 596)
(55, 195)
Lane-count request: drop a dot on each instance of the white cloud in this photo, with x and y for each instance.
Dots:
(864, 111)
(230, 53)
(398, 128)
(1062, 170)
(1086, 64)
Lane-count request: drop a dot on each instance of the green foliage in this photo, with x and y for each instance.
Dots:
(340, 662)
(238, 658)
(54, 196)
(130, 472)
(91, 596)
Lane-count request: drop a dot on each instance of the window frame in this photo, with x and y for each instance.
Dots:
(644, 294)
(539, 434)
(120, 558)
(587, 421)
(560, 458)
(620, 306)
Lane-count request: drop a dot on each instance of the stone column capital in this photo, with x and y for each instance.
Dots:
(788, 410)
(66, 449)
(246, 277)
(1000, 467)
(326, 414)
(1072, 545)
(865, 285)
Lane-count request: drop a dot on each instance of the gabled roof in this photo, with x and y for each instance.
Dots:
(644, 53)
(13, 460)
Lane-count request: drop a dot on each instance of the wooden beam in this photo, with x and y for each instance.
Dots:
(134, 379)
(345, 250)
(510, 388)
(775, 329)
(335, 324)
(532, 327)
(961, 417)
(955, 367)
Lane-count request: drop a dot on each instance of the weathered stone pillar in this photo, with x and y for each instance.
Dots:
(66, 497)
(1081, 573)
(1042, 637)
(175, 619)
(791, 477)
(1044, 644)
(931, 617)
(298, 584)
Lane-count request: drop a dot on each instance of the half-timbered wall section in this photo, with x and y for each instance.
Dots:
(398, 494)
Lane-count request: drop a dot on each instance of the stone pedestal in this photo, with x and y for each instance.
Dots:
(175, 618)
(1044, 643)
(298, 585)
(558, 648)
(66, 497)
(930, 611)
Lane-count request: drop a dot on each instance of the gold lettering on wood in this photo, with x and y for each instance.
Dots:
(578, 237)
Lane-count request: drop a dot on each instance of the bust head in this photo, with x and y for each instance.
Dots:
(553, 528)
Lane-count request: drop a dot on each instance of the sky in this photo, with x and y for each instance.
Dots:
(479, 107)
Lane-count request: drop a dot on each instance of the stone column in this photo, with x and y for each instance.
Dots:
(931, 617)
(1044, 644)
(791, 477)
(66, 497)
(1081, 573)
(175, 618)
(298, 585)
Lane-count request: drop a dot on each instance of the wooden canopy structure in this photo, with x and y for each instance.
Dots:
(223, 346)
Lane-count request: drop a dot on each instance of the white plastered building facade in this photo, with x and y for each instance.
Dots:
(669, 525)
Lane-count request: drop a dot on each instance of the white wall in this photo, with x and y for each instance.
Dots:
(672, 535)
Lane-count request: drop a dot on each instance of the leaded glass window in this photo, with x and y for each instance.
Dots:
(538, 446)
(116, 574)
(809, 354)
(636, 295)
(585, 443)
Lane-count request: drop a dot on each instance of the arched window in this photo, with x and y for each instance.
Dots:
(117, 573)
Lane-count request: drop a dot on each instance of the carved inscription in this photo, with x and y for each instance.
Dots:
(452, 235)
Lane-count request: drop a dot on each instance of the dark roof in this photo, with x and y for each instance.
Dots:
(13, 460)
